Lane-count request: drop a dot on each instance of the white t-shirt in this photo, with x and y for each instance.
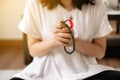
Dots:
(39, 22)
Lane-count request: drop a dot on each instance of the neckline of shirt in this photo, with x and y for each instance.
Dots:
(71, 11)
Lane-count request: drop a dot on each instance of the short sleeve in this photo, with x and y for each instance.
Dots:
(29, 23)
(102, 22)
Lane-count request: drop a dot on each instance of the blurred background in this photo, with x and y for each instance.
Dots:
(10, 16)
(14, 55)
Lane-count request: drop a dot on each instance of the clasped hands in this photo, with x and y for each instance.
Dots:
(62, 35)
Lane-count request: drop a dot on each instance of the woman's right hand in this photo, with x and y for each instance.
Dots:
(62, 35)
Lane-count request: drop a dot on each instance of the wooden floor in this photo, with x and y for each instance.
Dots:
(13, 58)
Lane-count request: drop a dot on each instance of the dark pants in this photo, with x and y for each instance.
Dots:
(15, 78)
(105, 75)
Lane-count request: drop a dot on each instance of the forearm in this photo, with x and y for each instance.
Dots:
(61, 37)
(41, 48)
(89, 49)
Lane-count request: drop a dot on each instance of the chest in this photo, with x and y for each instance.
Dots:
(83, 23)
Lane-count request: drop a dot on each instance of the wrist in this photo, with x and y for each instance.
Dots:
(55, 42)
(78, 43)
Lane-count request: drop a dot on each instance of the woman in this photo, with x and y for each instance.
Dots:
(44, 23)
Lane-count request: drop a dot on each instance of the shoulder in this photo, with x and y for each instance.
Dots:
(99, 4)
(99, 7)
(33, 3)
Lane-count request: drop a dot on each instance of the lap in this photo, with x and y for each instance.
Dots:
(105, 75)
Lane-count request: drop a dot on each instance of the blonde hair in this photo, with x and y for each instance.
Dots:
(51, 4)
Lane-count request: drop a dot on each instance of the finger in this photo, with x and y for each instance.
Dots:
(63, 40)
(65, 30)
(57, 30)
(62, 43)
(60, 25)
(63, 35)
(65, 44)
